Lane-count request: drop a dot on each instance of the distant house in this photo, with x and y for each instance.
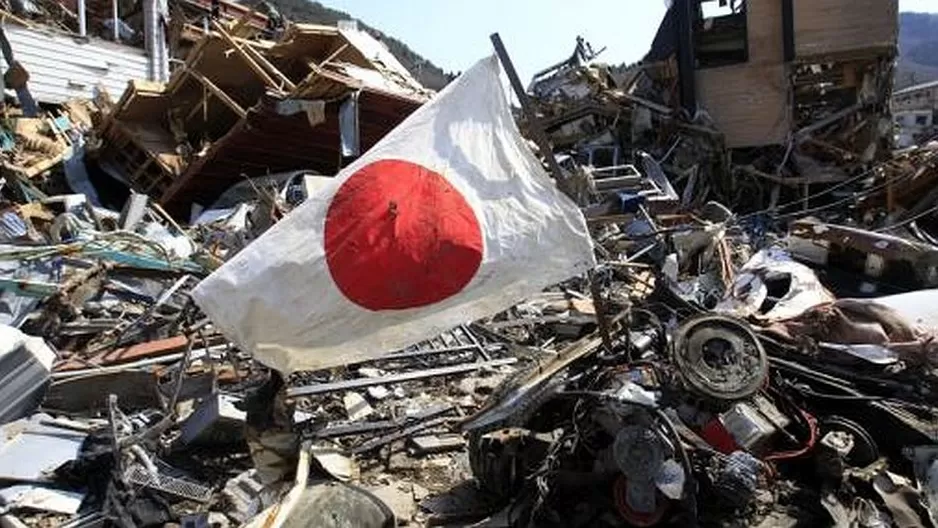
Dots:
(919, 97)
(914, 110)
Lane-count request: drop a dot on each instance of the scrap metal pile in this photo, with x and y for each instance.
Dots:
(702, 374)
(735, 359)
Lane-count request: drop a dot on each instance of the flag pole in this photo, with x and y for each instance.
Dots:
(534, 124)
(540, 138)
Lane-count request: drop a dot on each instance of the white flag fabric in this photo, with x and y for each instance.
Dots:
(447, 219)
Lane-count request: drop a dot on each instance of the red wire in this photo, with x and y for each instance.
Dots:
(812, 440)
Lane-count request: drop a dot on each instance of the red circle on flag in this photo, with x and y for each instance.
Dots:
(398, 235)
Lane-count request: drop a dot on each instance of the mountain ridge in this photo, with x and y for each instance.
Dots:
(918, 49)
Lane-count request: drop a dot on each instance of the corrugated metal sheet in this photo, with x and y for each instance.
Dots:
(62, 67)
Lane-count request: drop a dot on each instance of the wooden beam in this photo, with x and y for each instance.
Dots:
(262, 60)
(140, 170)
(333, 55)
(195, 109)
(268, 80)
(201, 103)
(219, 93)
(256, 61)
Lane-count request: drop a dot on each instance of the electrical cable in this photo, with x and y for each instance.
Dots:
(831, 189)
(826, 191)
(854, 198)
(922, 235)
(812, 440)
(842, 397)
(907, 221)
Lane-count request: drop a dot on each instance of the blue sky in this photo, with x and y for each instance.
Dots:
(453, 34)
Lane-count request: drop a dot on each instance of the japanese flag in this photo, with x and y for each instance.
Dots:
(447, 219)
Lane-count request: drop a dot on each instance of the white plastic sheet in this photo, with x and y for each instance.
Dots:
(750, 290)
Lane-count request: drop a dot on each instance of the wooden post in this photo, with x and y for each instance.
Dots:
(219, 93)
(268, 80)
(537, 131)
(256, 61)
(602, 318)
(540, 137)
(262, 60)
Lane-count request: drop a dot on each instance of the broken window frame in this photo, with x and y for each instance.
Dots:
(719, 59)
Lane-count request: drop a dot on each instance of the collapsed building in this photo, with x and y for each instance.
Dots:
(758, 93)
(238, 109)
(914, 112)
(182, 92)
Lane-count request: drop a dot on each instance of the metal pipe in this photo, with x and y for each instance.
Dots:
(321, 388)
(69, 375)
(82, 19)
(155, 39)
(117, 32)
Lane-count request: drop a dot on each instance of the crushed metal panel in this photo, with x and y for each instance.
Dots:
(63, 67)
(31, 451)
(41, 498)
(820, 243)
(750, 288)
(138, 475)
(217, 420)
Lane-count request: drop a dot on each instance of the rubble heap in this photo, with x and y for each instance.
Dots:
(757, 346)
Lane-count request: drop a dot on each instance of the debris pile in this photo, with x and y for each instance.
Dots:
(756, 347)
(240, 108)
(731, 114)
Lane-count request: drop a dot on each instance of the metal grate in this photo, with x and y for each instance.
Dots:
(138, 475)
(458, 339)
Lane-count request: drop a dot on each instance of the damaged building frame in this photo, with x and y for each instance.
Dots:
(238, 108)
(810, 78)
